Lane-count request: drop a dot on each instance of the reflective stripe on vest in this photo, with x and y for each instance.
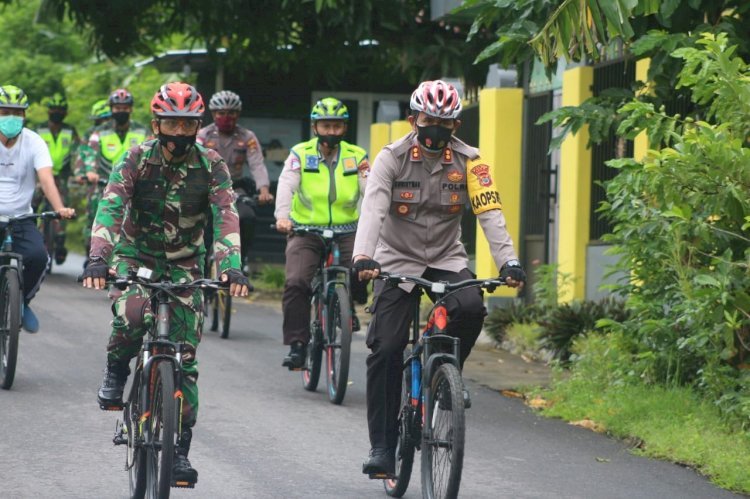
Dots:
(311, 204)
(59, 148)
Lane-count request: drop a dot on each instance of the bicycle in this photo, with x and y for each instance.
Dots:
(220, 303)
(151, 425)
(330, 318)
(431, 418)
(11, 295)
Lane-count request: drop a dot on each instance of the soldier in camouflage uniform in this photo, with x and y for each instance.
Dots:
(152, 215)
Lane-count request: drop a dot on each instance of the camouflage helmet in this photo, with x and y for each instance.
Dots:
(329, 109)
(13, 97)
(57, 100)
(100, 110)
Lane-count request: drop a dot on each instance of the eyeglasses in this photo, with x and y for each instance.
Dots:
(433, 120)
(173, 124)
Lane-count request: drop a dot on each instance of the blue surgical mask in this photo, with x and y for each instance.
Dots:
(11, 126)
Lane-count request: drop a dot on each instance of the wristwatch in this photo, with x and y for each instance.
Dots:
(512, 263)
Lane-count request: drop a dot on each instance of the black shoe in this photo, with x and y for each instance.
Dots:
(355, 322)
(296, 357)
(183, 474)
(381, 463)
(60, 255)
(113, 384)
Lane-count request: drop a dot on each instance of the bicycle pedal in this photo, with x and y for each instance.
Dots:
(183, 484)
(111, 407)
(296, 368)
(382, 476)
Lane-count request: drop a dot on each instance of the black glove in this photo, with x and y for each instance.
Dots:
(237, 277)
(368, 264)
(97, 268)
(513, 270)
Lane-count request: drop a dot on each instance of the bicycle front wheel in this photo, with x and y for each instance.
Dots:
(311, 372)
(160, 433)
(10, 306)
(443, 440)
(339, 344)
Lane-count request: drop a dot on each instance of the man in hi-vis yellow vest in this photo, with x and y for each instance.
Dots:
(321, 185)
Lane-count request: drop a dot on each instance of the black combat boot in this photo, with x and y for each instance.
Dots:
(381, 463)
(183, 474)
(296, 357)
(110, 392)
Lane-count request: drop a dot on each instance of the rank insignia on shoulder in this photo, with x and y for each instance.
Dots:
(416, 154)
(447, 155)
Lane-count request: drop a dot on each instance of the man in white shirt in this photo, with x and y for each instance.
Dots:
(22, 153)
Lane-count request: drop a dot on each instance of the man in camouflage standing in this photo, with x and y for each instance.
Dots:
(152, 215)
(108, 144)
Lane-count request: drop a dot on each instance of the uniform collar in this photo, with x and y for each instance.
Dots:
(416, 155)
(156, 158)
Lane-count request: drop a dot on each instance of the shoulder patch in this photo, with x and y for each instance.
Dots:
(483, 196)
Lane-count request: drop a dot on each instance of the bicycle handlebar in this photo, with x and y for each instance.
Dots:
(121, 282)
(441, 287)
(27, 216)
(323, 232)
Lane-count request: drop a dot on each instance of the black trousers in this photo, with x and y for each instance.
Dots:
(388, 335)
(28, 241)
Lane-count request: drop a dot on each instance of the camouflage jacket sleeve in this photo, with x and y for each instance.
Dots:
(89, 160)
(226, 223)
(111, 210)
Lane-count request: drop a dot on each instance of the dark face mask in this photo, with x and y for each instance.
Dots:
(330, 140)
(121, 117)
(56, 117)
(434, 137)
(177, 145)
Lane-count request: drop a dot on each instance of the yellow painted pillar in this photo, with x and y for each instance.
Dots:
(575, 187)
(640, 143)
(399, 129)
(501, 144)
(380, 134)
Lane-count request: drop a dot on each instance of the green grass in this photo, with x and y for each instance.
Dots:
(669, 423)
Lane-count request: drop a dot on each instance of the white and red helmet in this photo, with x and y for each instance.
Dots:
(436, 98)
(177, 100)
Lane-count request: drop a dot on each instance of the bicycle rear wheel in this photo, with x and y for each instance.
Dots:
(405, 446)
(339, 344)
(311, 372)
(136, 454)
(10, 306)
(443, 441)
(160, 433)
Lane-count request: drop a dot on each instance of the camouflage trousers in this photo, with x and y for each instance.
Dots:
(134, 318)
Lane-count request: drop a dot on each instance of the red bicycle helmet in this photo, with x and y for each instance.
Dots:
(121, 96)
(177, 100)
(436, 98)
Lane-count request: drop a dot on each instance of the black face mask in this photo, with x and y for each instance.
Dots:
(330, 140)
(180, 144)
(121, 117)
(56, 117)
(434, 137)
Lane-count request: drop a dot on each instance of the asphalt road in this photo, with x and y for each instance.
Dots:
(260, 435)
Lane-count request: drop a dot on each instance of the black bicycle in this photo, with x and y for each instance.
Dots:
(330, 318)
(151, 425)
(219, 304)
(432, 406)
(11, 295)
